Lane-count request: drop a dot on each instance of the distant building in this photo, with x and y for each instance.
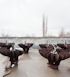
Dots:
(62, 33)
(67, 34)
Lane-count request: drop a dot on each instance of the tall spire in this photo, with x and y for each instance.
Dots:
(44, 26)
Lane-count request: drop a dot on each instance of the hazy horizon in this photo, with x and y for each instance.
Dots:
(25, 17)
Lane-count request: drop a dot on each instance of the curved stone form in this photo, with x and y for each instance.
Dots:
(63, 46)
(63, 53)
(46, 51)
(43, 45)
(25, 46)
(8, 45)
(13, 55)
(55, 59)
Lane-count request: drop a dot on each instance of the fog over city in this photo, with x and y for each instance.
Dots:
(25, 17)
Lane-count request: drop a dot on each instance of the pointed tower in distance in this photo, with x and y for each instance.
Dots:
(44, 26)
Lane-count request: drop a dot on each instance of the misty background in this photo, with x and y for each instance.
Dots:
(25, 17)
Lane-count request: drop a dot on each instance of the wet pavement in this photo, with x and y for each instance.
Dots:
(34, 65)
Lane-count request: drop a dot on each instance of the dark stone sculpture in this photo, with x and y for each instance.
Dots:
(26, 46)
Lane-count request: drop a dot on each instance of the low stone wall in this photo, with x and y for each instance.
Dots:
(36, 40)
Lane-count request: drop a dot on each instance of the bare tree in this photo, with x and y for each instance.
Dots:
(5, 35)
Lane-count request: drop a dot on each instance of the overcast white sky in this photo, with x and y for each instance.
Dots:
(24, 17)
